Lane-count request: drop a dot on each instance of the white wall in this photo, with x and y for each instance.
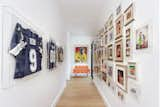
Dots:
(40, 89)
(146, 11)
(73, 41)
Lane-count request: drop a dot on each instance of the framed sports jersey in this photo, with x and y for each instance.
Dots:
(80, 54)
(26, 47)
(51, 55)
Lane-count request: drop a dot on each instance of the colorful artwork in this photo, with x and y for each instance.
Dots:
(119, 51)
(132, 72)
(142, 37)
(129, 15)
(80, 54)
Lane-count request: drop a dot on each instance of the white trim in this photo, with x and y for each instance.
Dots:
(56, 99)
(106, 101)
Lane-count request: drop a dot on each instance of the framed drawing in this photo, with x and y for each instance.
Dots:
(142, 37)
(129, 15)
(119, 27)
(121, 77)
(110, 35)
(110, 22)
(110, 52)
(119, 51)
(81, 54)
(132, 70)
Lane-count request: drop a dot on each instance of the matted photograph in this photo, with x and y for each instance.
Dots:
(132, 70)
(119, 27)
(119, 51)
(129, 15)
(110, 52)
(142, 37)
(121, 77)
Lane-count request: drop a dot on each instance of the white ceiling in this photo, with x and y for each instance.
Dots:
(82, 16)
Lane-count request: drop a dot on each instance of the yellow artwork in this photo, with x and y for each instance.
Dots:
(81, 54)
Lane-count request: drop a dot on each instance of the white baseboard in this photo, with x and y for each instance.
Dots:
(101, 93)
(55, 101)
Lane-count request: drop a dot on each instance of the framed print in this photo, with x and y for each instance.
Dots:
(110, 52)
(104, 76)
(106, 38)
(110, 70)
(81, 54)
(119, 51)
(132, 70)
(129, 15)
(118, 10)
(121, 77)
(119, 27)
(110, 22)
(142, 37)
(60, 54)
(110, 35)
(128, 50)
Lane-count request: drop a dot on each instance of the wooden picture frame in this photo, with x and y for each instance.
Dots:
(129, 14)
(119, 26)
(121, 77)
(110, 52)
(132, 70)
(119, 51)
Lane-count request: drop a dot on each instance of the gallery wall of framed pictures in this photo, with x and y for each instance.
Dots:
(115, 53)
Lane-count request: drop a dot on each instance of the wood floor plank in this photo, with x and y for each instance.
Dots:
(80, 92)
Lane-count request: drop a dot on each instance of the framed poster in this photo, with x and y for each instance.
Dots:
(81, 54)
(119, 27)
(132, 70)
(119, 51)
(121, 76)
(110, 35)
(129, 15)
(110, 52)
(142, 37)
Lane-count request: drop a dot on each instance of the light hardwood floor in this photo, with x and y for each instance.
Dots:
(80, 92)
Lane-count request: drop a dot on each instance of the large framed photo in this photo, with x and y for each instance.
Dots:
(119, 27)
(81, 54)
(142, 37)
(119, 51)
(132, 70)
(121, 76)
(129, 15)
(110, 52)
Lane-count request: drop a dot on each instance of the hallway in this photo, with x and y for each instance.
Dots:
(80, 92)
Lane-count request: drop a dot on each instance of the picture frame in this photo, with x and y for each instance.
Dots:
(142, 34)
(119, 26)
(128, 33)
(132, 70)
(110, 36)
(110, 52)
(121, 94)
(129, 14)
(121, 76)
(110, 22)
(106, 38)
(106, 52)
(118, 9)
(119, 50)
(110, 70)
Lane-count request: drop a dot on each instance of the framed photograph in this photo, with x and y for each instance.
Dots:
(106, 38)
(81, 54)
(142, 37)
(110, 52)
(119, 27)
(118, 10)
(121, 77)
(119, 51)
(110, 22)
(129, 15)
(132, 70)
(110, 35)
(106, 52)
(121, 94)
(128, 32)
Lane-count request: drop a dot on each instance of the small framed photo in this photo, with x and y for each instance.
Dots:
(142, 37)
(121, 77)
(119, 27)
(128, 32)
(110, 35)
(119, 51)
(129, 15)
(104, 76)
(106, 38)
(110, 22)
(106, 52)
(110, 52)
(132, 70)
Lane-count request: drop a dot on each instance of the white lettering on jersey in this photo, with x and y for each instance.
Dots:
(33, 60)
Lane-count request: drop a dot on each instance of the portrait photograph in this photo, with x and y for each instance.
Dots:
(121, 76)
(119, 51)
(142, 37)
(132, 70)
(110, 52)
(110, 22)
(121, 94)
(129, 15)
(119, 27)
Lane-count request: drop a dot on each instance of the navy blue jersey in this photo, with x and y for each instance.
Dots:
(51, 51)
(26, 46)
